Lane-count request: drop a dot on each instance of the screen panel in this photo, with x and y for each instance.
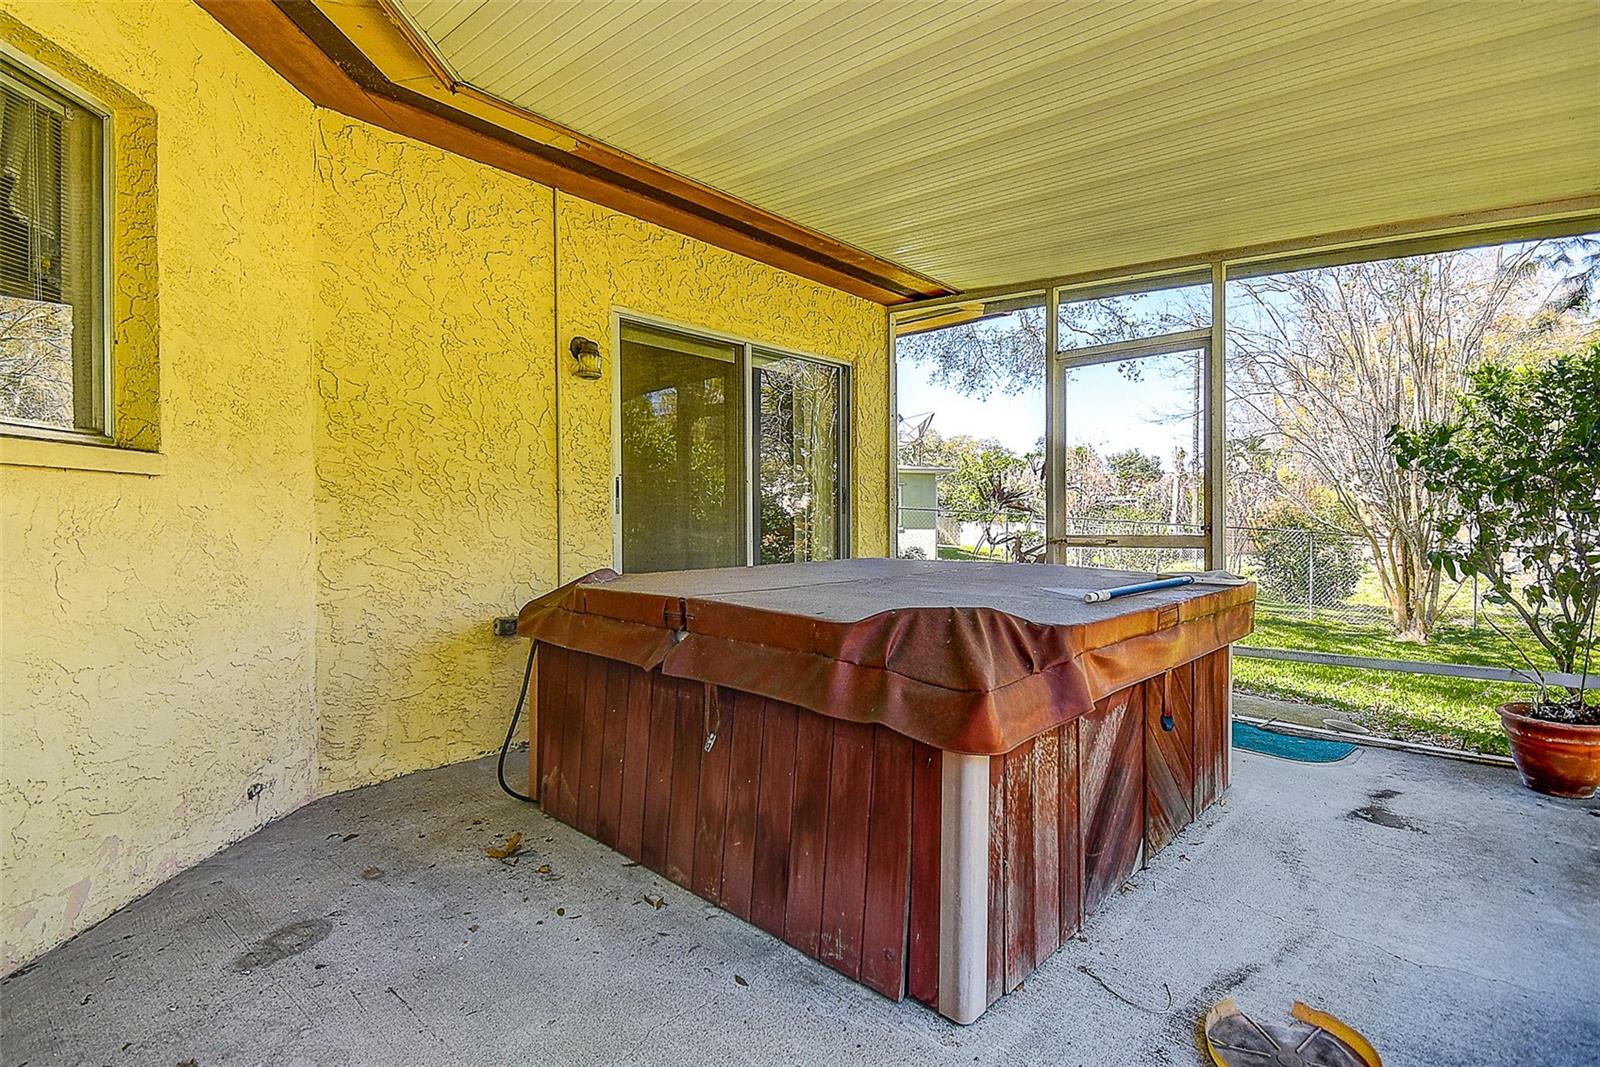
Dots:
(1134, 459)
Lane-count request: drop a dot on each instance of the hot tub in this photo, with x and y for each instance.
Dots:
(923, 774)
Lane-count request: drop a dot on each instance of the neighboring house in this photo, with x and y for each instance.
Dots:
(919, 509)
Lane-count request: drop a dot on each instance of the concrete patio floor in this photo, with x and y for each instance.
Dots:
(1437, 906)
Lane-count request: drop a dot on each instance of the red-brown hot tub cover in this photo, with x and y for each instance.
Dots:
(968, 657)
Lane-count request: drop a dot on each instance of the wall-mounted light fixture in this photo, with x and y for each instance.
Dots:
(586, 356)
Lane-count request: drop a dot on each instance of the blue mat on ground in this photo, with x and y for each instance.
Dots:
(1253, 738)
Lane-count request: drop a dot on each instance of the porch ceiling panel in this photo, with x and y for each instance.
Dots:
(985, 143)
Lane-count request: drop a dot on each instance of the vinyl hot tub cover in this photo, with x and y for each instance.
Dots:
(967, 657)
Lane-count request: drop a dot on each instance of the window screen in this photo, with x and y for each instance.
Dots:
(52, 248)
(1123, 312)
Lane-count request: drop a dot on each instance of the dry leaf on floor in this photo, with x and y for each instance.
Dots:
(510, 848)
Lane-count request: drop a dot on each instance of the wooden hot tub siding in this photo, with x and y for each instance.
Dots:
(848, 869)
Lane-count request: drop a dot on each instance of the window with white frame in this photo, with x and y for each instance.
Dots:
(53, 273)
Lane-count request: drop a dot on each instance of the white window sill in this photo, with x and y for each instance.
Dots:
(76, 455)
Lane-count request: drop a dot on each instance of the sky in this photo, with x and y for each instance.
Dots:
(1104, 409)
(1015, 421)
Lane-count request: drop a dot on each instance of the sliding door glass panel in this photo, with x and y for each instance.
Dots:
(799, 459)
(683, 456)
(1135, 461)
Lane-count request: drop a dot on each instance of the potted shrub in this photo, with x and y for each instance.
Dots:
(1518, 473)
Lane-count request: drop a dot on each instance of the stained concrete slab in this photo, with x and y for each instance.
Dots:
(1437, 906)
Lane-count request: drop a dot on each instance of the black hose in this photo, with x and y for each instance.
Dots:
(511, 731)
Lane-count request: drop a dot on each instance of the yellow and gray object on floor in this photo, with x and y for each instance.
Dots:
(1310, 1039)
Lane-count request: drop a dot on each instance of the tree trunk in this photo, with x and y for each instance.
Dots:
(1410, 587)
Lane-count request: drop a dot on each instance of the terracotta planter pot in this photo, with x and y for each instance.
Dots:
(1555, 758)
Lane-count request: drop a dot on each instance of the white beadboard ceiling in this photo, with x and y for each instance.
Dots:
(988, 142)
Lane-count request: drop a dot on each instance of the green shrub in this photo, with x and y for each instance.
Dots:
(1301, 557)
(1520, 503)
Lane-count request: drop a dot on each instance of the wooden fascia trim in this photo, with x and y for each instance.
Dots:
(315, 53)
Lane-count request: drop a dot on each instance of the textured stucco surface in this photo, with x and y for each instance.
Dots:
(435, 446)
(436, 423)
(157, 632)
(359, 355)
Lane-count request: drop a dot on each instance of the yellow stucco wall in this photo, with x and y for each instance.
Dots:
(360, 342)
(436, 423)
(434, 449)
(157, 657)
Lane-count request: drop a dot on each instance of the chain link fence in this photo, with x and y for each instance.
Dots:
(1306, 573)
(1323, 575)
(1318, 575)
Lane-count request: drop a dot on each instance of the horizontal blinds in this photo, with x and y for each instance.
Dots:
(52, 248)
(683, 344)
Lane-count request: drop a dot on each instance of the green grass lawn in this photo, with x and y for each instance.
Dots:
(1456, 712)
(1448, 644)
(985, 556)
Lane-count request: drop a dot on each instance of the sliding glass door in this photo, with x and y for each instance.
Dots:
(799, 482)
(726, 454)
